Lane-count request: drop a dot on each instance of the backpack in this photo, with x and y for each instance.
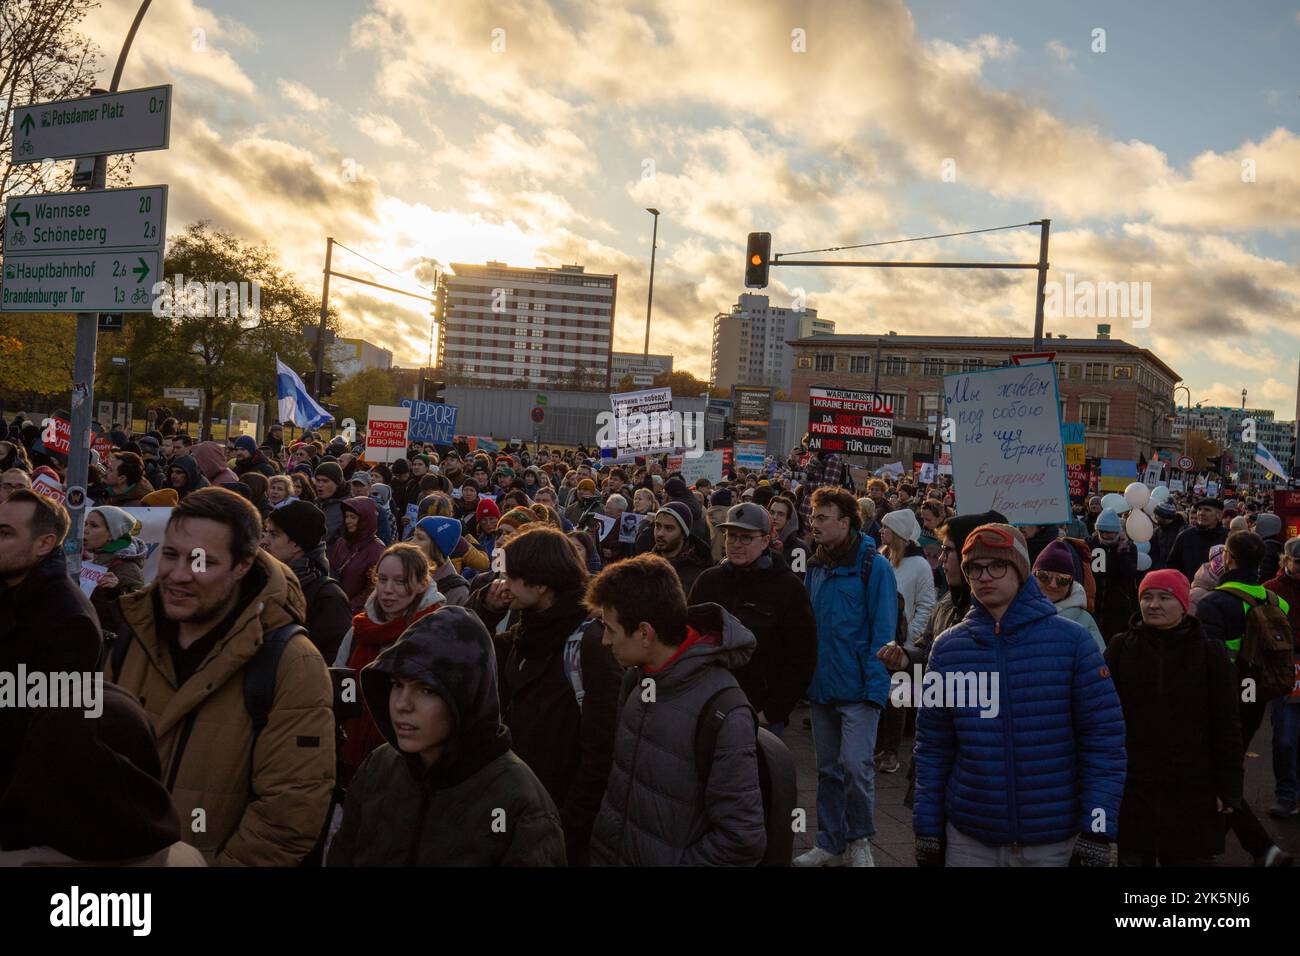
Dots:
(1266, 653)
(900, 622)
(259, 674)
(776, 772)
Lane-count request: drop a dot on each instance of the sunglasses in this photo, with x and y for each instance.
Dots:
(1055, 580)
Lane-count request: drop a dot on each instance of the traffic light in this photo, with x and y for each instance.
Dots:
(326, 384)
(758, 256)
(431, 390)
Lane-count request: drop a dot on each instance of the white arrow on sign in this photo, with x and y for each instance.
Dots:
(68, 222)
(81, 282)
(129, 121)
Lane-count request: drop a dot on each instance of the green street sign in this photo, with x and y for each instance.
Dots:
(81, 282)
(102, 220)
(129, 121)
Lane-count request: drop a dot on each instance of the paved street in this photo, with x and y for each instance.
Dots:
(892, 845)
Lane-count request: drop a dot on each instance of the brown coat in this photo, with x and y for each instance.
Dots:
(262, 807)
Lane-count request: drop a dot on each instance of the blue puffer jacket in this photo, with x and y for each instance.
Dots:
(848, 671)
(1052, 757)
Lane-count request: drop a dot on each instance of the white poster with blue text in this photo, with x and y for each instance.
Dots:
(1007, 454)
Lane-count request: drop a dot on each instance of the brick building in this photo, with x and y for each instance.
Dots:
(1122, 393)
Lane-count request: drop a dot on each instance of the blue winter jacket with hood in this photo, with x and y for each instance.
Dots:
(852, 626)
(1050, 763)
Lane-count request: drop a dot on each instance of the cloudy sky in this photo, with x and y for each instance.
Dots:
(1162, 139)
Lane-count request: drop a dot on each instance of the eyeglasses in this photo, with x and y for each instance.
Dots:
(1055, 580)
(742, 537)
(946, 550)
(994, 570)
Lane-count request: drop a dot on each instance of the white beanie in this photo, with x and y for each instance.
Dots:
(903, 523)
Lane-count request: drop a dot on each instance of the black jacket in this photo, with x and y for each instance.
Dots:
(46, 624)
(568, 745)
(690, 562)
(1162, 543)
(1179, 694)
(1116, 600)
(329, 612)
(1191, 548)
(770, 600)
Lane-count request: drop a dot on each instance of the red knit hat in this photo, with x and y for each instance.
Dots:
(487, 508)
(1169, 580)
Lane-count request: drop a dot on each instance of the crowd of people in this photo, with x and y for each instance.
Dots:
(517, 657)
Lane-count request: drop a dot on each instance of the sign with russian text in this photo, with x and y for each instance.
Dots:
(849, 422)
(753, 409)
(643, 421)
(707, 465)
(386, 427)
(1007, 453)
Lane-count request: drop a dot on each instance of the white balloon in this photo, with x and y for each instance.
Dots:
(1137, 494)
(1160, 494)
(1138, 527)
(1144, 562)
(1115, 502)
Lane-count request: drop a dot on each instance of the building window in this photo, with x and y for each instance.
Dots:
(825, 363)
(1095, 447)
(931, 405)
(1124, 373)
(971, 365)
(899, 402)
(933, 367)
(804, 362)
(1094, 415)
(894, 365)
(860, 364)
(1097, 371)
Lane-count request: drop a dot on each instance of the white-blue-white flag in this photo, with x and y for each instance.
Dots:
(1265, 457)
(296, 403)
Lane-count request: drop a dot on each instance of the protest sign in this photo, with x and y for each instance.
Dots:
(927, 472)
(849, 422)
(1007, 454)
(643, 421)
(753, 409)
(629, 523)
(412, 515)
(153, 525)
(1117, 474)
(707, 465)
(91, 575)
(386, 432)
(1077, 478)
(750, 454)
(47, 487)
(432, 422)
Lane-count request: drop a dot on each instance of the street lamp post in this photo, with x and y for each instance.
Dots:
(650, 295)
(1188, 406)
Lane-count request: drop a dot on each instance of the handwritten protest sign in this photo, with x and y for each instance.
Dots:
(1007, 453)
(432, 422)
(707, 465)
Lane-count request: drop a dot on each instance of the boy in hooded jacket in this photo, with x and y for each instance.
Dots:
(445, 789)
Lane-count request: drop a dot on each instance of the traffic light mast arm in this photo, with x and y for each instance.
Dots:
(758, 260)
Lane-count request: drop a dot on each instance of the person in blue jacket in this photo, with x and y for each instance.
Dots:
(855, 599)
(1032, 773)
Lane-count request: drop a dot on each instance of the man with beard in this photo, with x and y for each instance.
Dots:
(262, 792)
(688, 554)
(248, 457)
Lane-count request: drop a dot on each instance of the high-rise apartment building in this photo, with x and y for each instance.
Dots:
(750, 344)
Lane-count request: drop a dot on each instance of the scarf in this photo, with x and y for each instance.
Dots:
(834, 557)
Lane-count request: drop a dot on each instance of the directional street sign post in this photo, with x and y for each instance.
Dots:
(80, 282)
(131, 121)
(94, 252)
(75, 222)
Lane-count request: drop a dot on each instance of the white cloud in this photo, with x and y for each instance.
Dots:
(384, 130)
(303, 98)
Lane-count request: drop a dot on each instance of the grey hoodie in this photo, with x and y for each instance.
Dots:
(653, 813)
